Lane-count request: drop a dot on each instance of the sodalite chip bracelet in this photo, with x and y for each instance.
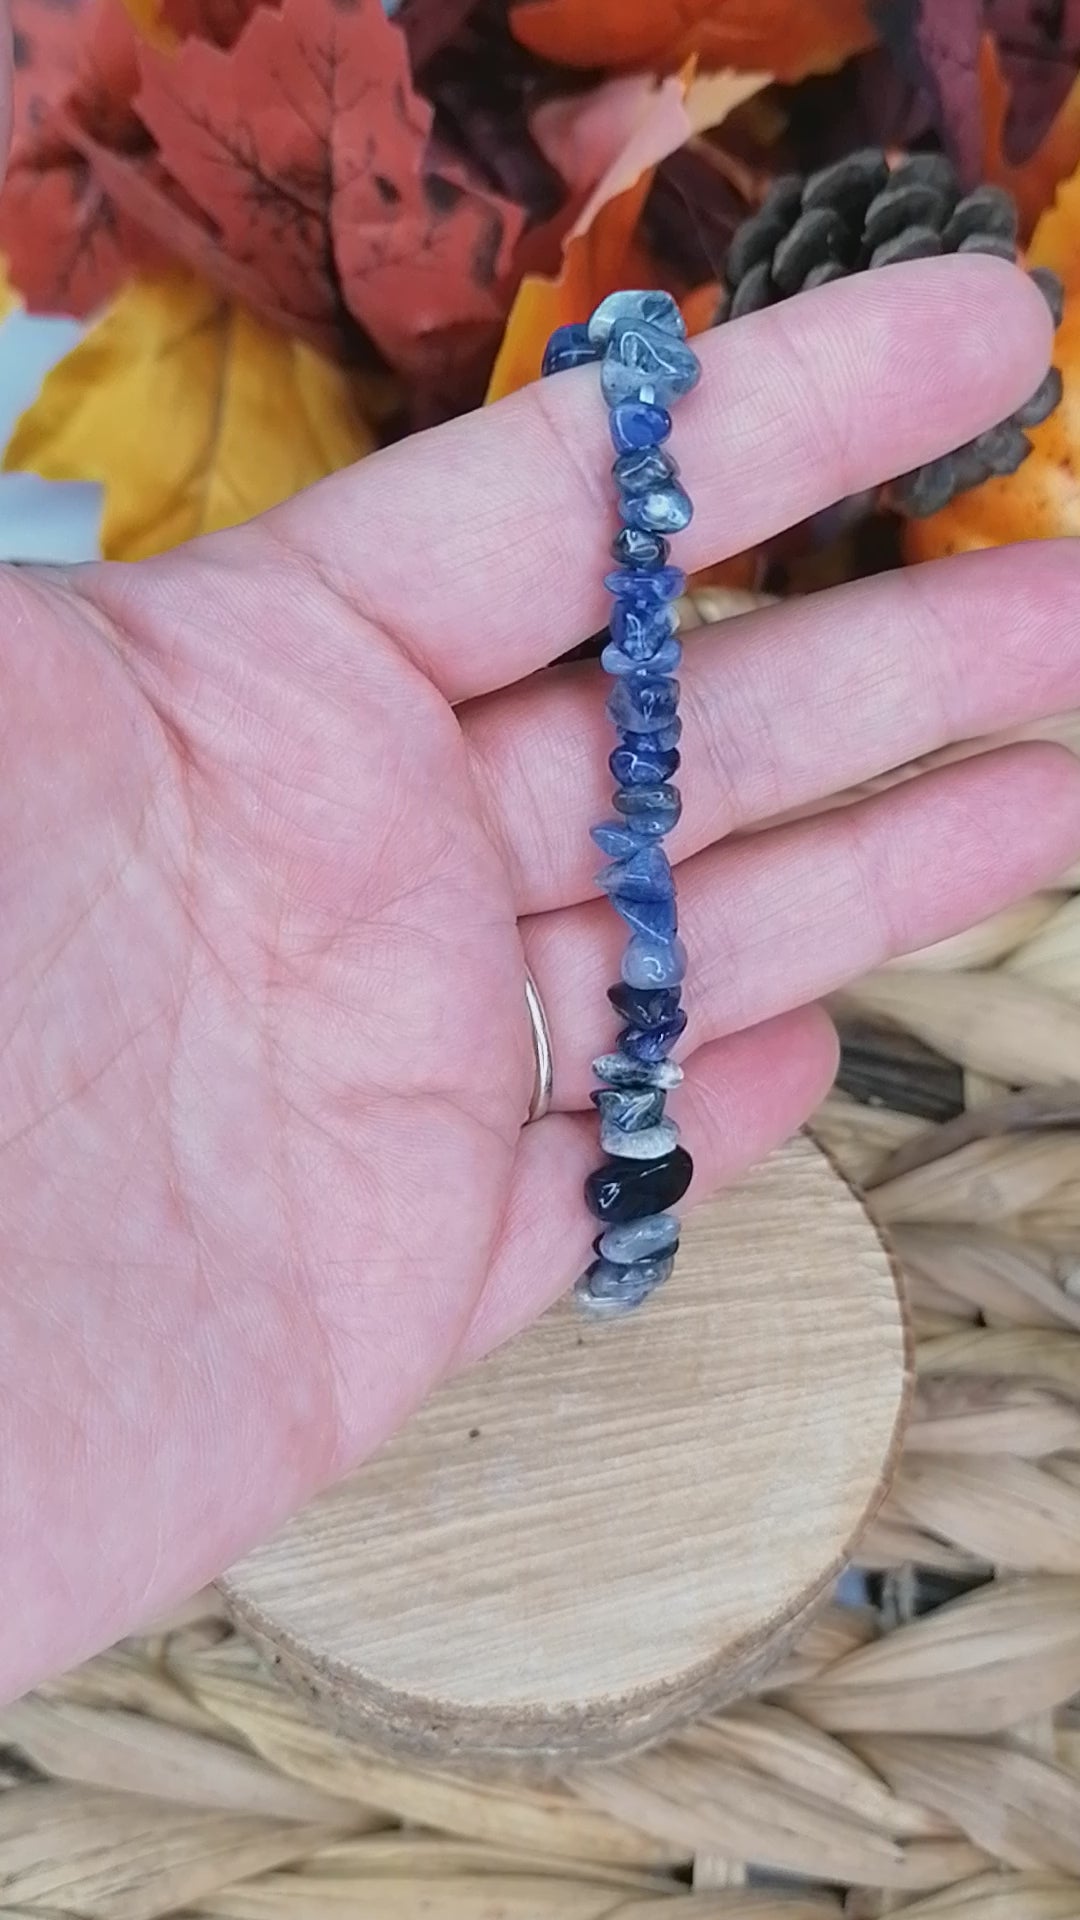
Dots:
(639, 341)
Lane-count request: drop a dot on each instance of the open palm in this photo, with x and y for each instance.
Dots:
(285, 813)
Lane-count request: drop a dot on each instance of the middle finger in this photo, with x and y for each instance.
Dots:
(786, 916)
(786, 706)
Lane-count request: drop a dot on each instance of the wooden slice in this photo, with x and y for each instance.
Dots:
(608, 1526)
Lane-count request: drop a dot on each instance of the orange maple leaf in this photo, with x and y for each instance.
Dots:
(604, 249)
(789, 38)
(595, 262)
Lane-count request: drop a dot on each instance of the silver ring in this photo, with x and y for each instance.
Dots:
(541, 1039)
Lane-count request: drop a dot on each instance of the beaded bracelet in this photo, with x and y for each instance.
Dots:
(639, 340)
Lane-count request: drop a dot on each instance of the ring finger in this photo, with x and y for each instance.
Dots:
(790, 914)
(786, 706)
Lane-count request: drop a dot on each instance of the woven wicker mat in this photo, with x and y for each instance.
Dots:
(919, 1751)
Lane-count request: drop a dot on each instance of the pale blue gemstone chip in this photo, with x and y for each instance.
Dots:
(650, 962)
(641, 362)
(655, 308)
(639, 1239)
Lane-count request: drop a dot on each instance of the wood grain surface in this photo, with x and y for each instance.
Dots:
(607, 1526)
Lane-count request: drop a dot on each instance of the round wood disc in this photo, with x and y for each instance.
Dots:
(607, 1526)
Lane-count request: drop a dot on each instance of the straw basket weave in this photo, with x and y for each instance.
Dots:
(919, 1752)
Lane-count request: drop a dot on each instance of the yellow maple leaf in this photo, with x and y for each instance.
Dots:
(9, 299)
(193, 414)
(146, 19)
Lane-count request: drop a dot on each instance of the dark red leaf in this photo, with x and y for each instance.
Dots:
(936, 45)
(691, 214)
(483, 85)
(887, 110)
(1039, 45)
(430, 25)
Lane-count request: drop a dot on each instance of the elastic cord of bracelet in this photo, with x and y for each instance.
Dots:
(639, 341)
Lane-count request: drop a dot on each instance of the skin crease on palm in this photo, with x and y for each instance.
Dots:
(282, 815)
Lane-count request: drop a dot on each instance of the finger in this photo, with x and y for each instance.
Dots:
(786, 706)
(790, 914)
(482, 544)
(741, 1097)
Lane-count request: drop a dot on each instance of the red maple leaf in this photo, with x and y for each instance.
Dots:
(44, 43)
(219, 21)
(68, 243)
(306, 147)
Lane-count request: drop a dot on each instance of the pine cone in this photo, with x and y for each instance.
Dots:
(858, 214)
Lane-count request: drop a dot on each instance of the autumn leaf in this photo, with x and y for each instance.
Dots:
(789, 38)
(100, 88)
(482, 86)
(296, 172)
(44, 51)
(244, 417)
(596, 262)
(8, 297)
(1031, 181)
(1039, 52)
(936, 43)
(599, 253)
(68, 244)
(700, 307)
(148, 20)
(163, 23)
(430, 25)
(603, 250)
(219, 21)
(1056, 240)
(586, 134)
(1006, 102)
(1041, 500)
(305, 147)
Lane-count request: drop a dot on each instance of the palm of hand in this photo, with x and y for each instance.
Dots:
(323, 964)
(283, 819)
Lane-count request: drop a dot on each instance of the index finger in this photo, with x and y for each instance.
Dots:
(482, 544)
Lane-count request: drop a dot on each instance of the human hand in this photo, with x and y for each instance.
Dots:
(286, 812)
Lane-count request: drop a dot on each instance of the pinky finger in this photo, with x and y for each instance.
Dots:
(741, 1097)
